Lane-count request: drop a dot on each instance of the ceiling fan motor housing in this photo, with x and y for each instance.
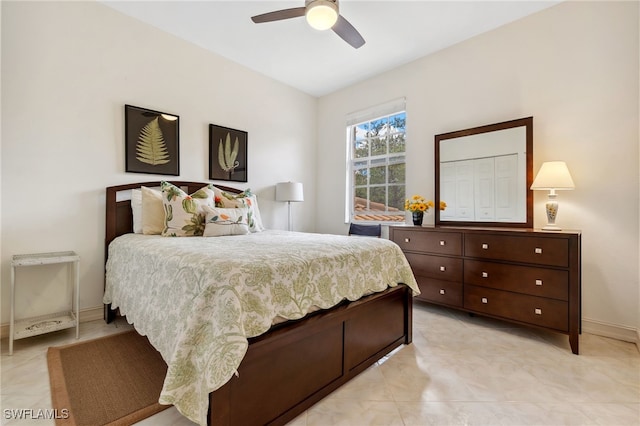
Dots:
(334, 2)
(321, 14)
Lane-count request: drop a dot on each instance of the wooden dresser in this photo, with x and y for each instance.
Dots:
(526, 276)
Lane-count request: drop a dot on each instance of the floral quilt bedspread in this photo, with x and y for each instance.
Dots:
(198, 299)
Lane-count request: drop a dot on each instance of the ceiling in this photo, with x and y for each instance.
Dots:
(319, 62)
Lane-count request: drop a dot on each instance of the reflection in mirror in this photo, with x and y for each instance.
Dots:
(484, 174)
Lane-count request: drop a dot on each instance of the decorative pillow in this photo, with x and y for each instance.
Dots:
(136, 210)
(184, 214)
(152, 211)
(221, 222)
(245, 199)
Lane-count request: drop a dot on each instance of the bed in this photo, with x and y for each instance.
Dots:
(207, 314)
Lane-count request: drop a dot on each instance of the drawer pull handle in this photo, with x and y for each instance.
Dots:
(442, 291)
(443, 268)
(538, 282)
(538, 250)
(443, 242)
(485, 275)
(538, 311)
(485, 246)
(406, 240)
(485, 300)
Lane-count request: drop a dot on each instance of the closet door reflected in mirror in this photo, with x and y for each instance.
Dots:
(483, 174)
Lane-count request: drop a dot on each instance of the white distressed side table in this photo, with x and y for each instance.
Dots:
(34, 326)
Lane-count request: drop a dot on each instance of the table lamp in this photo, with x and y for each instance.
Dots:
(553, 176)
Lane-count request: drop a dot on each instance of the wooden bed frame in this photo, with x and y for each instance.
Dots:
(296, 363)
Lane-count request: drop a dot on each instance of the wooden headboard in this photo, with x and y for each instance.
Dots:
(119, 219)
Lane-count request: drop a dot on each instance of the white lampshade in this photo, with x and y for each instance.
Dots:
(289, 191)
(321, 14)
(553, 175)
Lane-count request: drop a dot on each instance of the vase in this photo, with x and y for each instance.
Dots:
(417, 218)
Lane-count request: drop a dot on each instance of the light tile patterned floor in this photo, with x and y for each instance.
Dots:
(460, 370)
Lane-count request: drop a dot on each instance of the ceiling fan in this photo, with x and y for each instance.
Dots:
(321, 15)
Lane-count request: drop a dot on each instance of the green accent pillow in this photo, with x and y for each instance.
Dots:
(184, 214)
(245, 199)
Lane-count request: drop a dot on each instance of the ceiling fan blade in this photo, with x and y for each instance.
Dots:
(279, 15)
(348, 33)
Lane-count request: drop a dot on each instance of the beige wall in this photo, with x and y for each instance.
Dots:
(68, 68)
(574, 68)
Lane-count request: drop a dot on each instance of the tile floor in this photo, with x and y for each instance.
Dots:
(460, 370)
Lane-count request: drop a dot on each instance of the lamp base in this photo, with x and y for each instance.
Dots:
(552, 211)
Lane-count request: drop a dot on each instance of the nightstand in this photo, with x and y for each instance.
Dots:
(34, 326)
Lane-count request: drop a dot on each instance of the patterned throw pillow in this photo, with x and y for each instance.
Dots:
(184, 214)
(245, 199)
(220, 222)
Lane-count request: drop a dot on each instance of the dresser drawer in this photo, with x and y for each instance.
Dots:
(438, 267)
(539, 311)
(449, 243)
(541, 282)
(525, 249)
(439, 291)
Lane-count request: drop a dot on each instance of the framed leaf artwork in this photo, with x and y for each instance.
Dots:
(151, 141)
(227, 154)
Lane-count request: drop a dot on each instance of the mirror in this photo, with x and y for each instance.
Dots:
(484, 174)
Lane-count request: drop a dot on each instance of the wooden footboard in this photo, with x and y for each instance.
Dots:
(295, 365)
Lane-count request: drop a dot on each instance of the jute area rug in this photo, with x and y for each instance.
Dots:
(113, 380)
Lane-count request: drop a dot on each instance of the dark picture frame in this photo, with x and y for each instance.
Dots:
(152, 141)
(227, 154)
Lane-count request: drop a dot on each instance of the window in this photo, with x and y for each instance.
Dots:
(377, 168)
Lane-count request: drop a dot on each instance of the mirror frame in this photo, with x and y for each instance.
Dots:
(528, 123)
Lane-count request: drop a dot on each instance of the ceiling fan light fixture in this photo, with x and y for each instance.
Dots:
(321, 14)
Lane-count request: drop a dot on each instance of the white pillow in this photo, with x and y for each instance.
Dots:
(152, 211)
(184, 213)
(136, 210)
(245, 199)
(220, 222)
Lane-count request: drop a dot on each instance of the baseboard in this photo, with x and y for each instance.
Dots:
(91, 314)
(86, 315)
(627, 334)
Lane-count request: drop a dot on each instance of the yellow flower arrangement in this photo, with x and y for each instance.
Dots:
(417, 203)
(443, 205)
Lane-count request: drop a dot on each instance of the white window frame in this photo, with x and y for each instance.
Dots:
(372, 114)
